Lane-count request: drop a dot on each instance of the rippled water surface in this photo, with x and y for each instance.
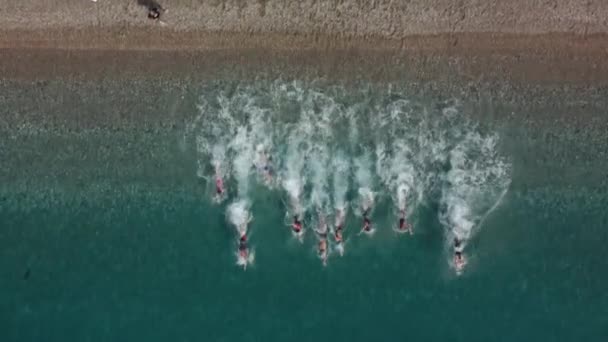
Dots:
(113, 228)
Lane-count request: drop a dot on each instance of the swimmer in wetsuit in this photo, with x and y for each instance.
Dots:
(323, 250)
(459, 259)
(322, 247)
(219, 186)
(243, 249)
(296, 226)
(339, 229)
(338, 235)
(403, 225)
(367, 224)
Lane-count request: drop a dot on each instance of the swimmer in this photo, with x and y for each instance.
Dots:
(322, 246)
(338, 235)
(323, 249)
(244, 256)
(459, 261)
(367, 225)
(219, 186)
(243, 250)
(296, 226)
(403, 225)
(339, 226)
(339, 238)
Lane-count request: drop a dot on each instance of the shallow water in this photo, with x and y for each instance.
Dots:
(111, 233)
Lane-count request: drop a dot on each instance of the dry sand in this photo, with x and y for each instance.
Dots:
(544, 41)
(384, 18)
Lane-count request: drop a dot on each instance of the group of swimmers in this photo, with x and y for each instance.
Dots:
(264, 167)
(322, 230)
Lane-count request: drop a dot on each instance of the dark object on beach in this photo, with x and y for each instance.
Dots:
(26, 275)
(154, 14)
(154, 8)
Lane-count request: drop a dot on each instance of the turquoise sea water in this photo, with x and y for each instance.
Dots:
(113, 233)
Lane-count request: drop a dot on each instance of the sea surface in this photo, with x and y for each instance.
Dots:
(111, 227)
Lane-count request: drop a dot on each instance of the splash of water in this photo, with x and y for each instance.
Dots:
(239, 215)
(242, 146)
(477, 180)
(340, 176)
(392, 145)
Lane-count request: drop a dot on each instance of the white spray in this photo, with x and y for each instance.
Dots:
(476, 183)
(340, 176)
(363, 177)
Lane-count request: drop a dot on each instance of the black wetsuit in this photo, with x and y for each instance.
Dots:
(367, 224)
(297, 225)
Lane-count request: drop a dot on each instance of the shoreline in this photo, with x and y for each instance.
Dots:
(471, 57)
(157, 38)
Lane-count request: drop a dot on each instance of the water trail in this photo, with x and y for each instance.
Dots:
(340, 177)
(321, 109)
(239, 216)
(319, 197)
(403, 175)
(475, 184)
(308, 140)
(295, 136)
(243, 160)
(248, 136)
(229, 124)
(216, 128)
(292, 178)
(262, 137)
(364, 180)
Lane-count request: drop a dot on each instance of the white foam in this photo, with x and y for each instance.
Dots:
(340, 176)
(394, 146)
(239, 215)
(364, 181)
(243, 160)
(292, 173)
(245, 261)
(476, 182)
